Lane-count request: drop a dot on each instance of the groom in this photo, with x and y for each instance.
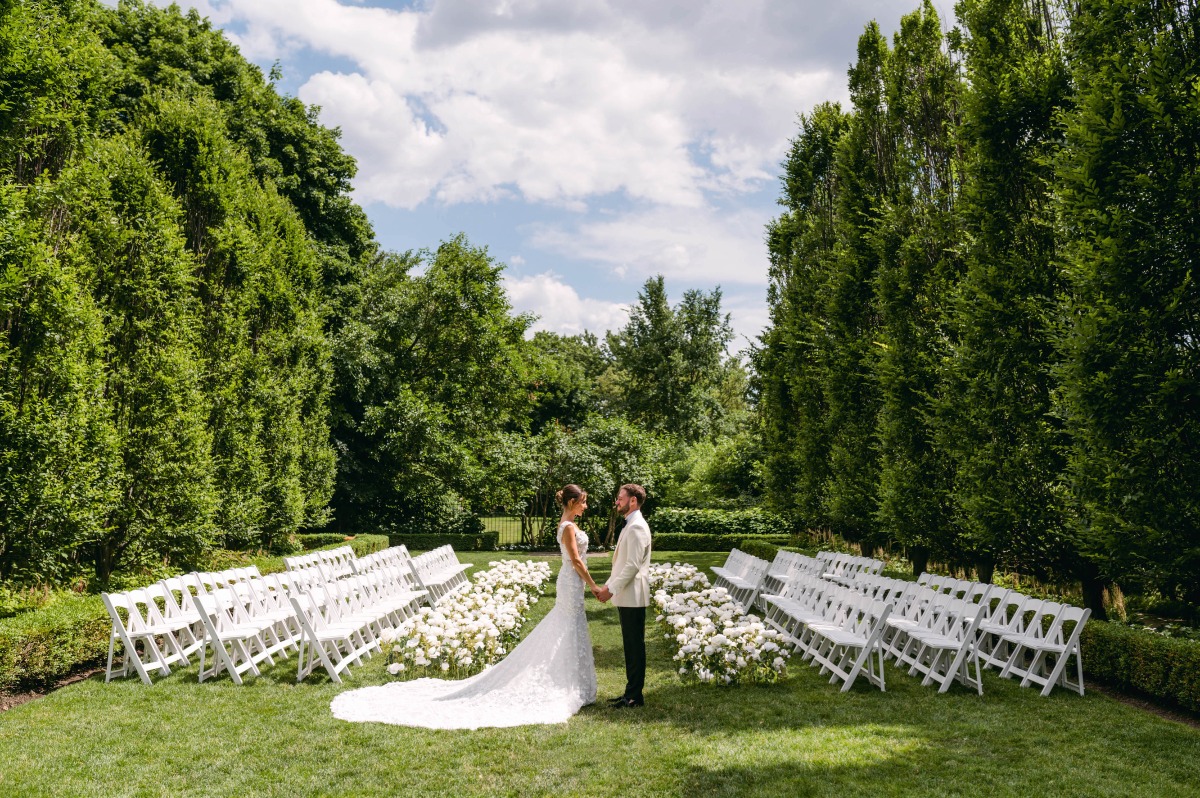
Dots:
(629, 589)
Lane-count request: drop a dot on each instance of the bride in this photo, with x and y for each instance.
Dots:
(545, 679)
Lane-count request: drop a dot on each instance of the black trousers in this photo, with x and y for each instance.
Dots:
(633, 638)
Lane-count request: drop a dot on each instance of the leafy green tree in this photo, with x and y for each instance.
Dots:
(124, 224)
(995, 418)
(57, 451)
(865, 176)
(54, 81)
(261, 306)
(429, 373)
(671, 361)
(565, 370)
(1127, 202)
(916, 239)
(790, 363)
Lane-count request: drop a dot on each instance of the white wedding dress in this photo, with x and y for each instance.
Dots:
(545, 679)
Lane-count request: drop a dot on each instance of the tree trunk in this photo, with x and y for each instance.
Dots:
(919, 556)
(985, 567)
(1093, 591)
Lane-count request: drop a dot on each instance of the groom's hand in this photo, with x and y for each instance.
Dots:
(603, 594)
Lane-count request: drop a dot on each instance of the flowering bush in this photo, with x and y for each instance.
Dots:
(717, 642)
(677, 577)
(471, 629)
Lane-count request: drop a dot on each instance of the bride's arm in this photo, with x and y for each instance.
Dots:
(568, 538)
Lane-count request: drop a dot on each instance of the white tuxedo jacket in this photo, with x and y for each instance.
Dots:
(630, 579)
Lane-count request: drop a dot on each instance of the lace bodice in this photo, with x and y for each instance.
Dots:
(545, 679)
(570, 585)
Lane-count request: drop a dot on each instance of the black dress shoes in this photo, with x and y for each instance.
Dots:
(626, 703)
(612, 702)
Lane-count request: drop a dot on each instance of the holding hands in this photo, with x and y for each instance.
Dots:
(602, 593)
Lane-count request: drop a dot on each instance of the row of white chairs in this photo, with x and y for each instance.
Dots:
(747, 577)
(786, 566)
(941, 628)
(742, 575)
(243, 619)
(846, 568)
(1033, 639)
(334, 563)
(438, 572)
(835, 627)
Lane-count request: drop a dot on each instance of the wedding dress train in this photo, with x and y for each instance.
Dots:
(545, 679)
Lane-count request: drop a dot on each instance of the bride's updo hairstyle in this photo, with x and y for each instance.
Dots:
(568, 494)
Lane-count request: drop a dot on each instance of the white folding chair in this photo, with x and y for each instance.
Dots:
(143, 622)
(1041, 657)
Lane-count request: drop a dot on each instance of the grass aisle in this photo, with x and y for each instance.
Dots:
(276, 738)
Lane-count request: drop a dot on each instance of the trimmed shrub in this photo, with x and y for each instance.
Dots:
(671, 541)
(735, 523)
(362, 545)
(321, 540)
(756, 547)
(1131, 659)
(40, 647)
(480, 541)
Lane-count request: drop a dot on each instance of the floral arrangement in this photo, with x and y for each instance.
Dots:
(716, 641)
(679, 577)
(471, 629)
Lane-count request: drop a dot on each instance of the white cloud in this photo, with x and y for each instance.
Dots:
(548, 101)
(687, 246)
(560, 308)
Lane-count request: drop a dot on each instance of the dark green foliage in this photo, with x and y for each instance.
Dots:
(756, 547)
(41, 647)
(995, 419)
(671, 361)
(164, 370)
(679, 541)
(429, 371)
(678, 520)
(466, 541)
(791, 363)
(916, 237)
(1129, 204)
(1139, 661)
(363, 545)
(320, 540)
(850, 314)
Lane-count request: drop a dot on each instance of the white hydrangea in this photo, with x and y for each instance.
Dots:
(716, 641)
(471, 629)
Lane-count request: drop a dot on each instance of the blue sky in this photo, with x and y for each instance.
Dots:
(589, 144)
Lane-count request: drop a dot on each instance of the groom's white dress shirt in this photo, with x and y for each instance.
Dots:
(630, 579)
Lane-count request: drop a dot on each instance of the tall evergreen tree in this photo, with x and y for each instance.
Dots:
(790, 362)
(1128, 185)
(865, 174)
(916, 239)
(672, 359)
(995, 418)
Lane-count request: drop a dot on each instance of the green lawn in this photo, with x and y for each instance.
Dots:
(798, 738)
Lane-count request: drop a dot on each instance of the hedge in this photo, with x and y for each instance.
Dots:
(756, 547)
(1135, 660)
(364, 544)
(671, 541)
(40, 647)
(480, 541)
(320, 540)
(736, 523)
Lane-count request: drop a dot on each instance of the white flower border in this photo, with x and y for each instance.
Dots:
(471, 629)
(716, 641)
